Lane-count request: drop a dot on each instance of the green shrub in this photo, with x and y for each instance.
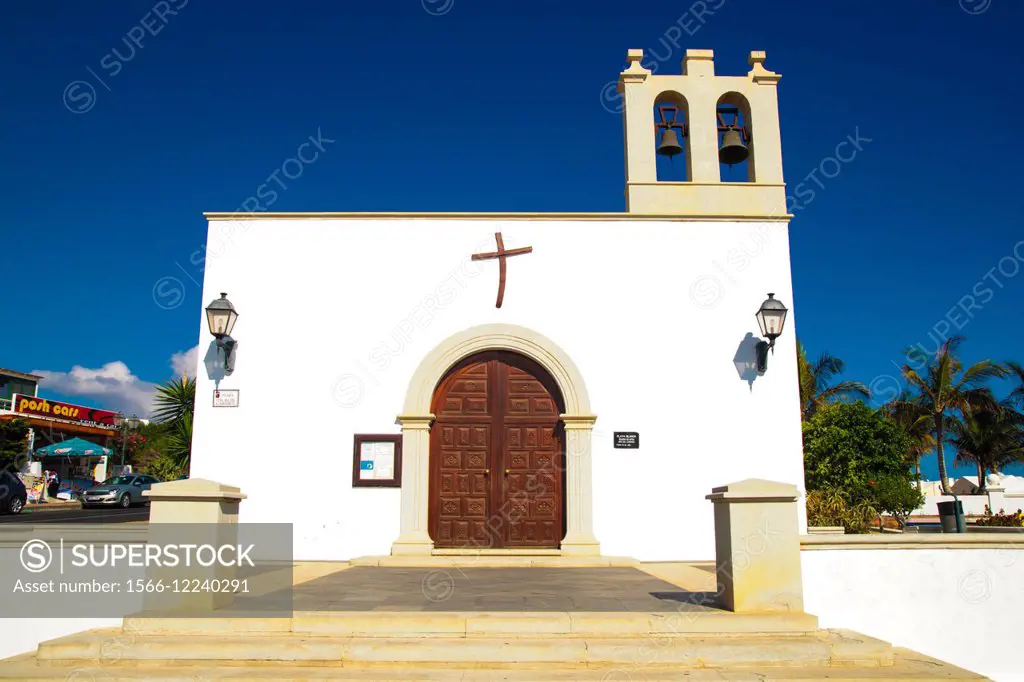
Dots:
(833, 508)
(896, 495)
(849, 447)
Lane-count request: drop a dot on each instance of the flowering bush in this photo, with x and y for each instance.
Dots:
(1002, 519)
(135, 443)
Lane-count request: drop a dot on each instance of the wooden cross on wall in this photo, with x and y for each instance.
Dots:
(501, 254)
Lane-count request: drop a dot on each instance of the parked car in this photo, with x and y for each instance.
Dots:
(12, 493)
(122, 491)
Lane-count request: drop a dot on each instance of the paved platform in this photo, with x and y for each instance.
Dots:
(603, 589)
(655, 623)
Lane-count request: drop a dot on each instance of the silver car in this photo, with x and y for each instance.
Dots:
(122, 491)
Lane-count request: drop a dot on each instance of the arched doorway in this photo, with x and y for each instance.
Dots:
(417, 422)
(497, 455)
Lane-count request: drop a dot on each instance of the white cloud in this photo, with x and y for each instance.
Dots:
(185, 362)
(113, 385)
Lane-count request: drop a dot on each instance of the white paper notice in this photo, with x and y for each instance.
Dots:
(377, 461)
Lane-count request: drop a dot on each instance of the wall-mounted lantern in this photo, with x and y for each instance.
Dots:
(221, 317)
(770, 318)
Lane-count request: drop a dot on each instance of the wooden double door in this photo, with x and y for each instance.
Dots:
(497, 461)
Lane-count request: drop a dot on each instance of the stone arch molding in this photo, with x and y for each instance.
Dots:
(507, 337)
(416, 421)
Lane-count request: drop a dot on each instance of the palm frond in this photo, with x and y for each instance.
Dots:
(844, 389)
(174, 399)
(815, 382)
(1016, 373)
(980, 372)
(179, 441)
(826, 367)
(916, 381)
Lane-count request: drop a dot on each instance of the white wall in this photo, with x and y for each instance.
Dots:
(336, 314)
(974, 505)
(962, 606)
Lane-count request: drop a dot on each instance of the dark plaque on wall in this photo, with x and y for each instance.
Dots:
(627, 440)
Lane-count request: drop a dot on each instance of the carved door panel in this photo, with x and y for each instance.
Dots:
(532, 454)
(461, 444)
(496, 456)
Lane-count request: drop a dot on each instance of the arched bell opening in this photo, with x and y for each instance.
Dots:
(672, 138)
(735, 138)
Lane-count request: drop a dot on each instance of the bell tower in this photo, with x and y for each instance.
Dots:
(719, 124)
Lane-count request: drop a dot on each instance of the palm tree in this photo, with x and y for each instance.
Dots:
(175, 399)
(816, 387)
(945, 389)
(916, 422)
(990, 435)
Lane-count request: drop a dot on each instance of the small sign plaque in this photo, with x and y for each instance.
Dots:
(627, 440)
(225, 398)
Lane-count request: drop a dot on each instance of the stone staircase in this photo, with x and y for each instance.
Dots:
(514, 646)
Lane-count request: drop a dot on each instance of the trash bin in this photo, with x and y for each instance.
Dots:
(948, 514)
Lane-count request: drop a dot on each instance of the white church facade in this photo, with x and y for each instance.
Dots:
(568, 384)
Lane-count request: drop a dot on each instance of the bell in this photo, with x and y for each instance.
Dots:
(733, 150)
(669, 144)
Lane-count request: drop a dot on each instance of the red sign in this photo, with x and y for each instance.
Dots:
(58, 410)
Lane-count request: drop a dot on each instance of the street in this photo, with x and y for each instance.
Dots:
(76, 515)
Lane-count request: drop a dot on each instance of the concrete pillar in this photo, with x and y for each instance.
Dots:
(766, 133)
(579, 486)
(192, 511)
(757, 547)
(638, 120)
(414, 537)
(699, 69)
(193, 500)
(996, 493)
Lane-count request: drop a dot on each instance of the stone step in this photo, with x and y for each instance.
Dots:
(113, 648)
(455, 559)
(494, 623)
(907, 665)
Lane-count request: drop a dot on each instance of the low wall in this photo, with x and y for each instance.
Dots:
(974, 505)
(956, 598)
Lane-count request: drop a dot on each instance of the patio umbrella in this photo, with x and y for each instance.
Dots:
(74, 447)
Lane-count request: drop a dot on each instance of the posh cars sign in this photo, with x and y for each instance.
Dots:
(52, 408)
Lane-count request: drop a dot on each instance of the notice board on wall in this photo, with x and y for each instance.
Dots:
(377, 461)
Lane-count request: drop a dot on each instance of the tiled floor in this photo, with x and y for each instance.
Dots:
(494, 589)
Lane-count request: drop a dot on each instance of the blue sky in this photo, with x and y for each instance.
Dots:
(111, 157)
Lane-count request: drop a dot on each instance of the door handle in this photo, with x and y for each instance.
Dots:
(508, 471)
(487, 472)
